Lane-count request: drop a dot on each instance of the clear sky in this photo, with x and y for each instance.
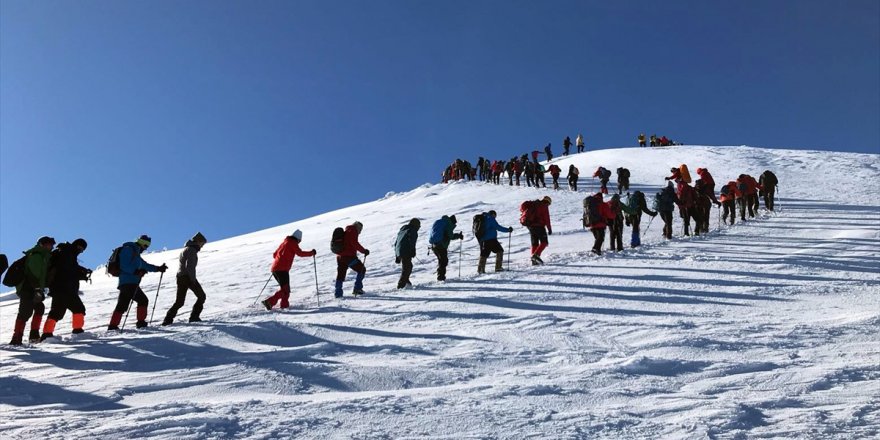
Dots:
(119, 118)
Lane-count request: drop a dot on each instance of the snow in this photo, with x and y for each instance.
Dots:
(766, 329)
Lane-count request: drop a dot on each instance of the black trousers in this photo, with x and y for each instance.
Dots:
(616, 227)
(729, 207)
(769, 197)
(442, 261)
(667, 223)
(27, 307)
(64, 300)
(184, 284)
(489, 247)
(129, 292)
(407, 264)
(599, 238)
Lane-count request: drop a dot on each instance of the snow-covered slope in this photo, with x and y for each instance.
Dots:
(765, 329)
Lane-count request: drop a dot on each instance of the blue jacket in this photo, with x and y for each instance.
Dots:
(491, 228)
(130, 261)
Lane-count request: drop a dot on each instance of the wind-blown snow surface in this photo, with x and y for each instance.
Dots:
(768, 329)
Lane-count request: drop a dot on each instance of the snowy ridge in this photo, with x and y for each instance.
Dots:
(764, 329)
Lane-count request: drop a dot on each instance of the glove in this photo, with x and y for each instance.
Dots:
(458, 236)
(366, 252)
(163, 268)
(39, 295)
(510, 229)
(549, 230)
(397, 260)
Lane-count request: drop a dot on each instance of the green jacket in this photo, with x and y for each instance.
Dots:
(36, 268)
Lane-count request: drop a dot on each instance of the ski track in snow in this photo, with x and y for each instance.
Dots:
(767, 329)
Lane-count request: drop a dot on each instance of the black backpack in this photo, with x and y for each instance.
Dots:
(16, 273)
(479, 225)
(113, 263)
(623, 173)
(591, 211)
(768, 178)
(337, 241)
(725, 190)
(4, 263)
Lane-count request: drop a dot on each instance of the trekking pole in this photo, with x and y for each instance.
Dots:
(161, 274)
(460, 245)
(261, 290)
(126, 315)
(508, 250)
(649, 226)
(315, 264)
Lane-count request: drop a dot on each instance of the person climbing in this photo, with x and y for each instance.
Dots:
(729, 195)
(566, 145)
(622, 180)
(642, 140)
(442, 232)
(405, 250)
(665, 202)
(580, 143)
(489, 242)
(615, 224)
(768, 183)
(687, 207)
(708, 187)
(186, 280)
(554, 172)
(634, 208)
(573, 173)
(347, 259)
(604, 175)
(597, 215)
(548, 152)
(32, 290)
(132, 268)
(283, 261)
(65, 273)
(535, 215)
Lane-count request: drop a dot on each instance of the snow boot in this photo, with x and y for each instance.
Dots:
(266, 304)
(34, 336)
(77, 331)
(481, 265)
(338, 292)
(141, 324)
(195, 319)
(115, 319)
(167, 321)
(79, 320)
(46, 336)
(499, 262)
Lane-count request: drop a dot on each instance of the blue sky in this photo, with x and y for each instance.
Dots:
(119, 118)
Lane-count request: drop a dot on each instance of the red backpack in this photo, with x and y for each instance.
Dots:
(528, 213)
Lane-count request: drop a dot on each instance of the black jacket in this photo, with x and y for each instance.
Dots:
(64, 271)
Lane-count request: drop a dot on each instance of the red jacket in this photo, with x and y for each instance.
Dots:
(751, 184)
(686, 195)
(543, 214)
(554, 170)
(350, 244)
(284, 255)
(676, 175)
(707, 178)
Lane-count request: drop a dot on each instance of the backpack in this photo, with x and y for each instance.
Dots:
(768, 178)
(591, 211)
(637, 201)
(479, 225)
(622, 173)
(438, 231)
(604, 173)
(16, 273)
(528, 213)
(337, 241)
(742, 187)
(725, 190)
(685, 174)
(113, 263)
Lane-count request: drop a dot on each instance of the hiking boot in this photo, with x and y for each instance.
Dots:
(268, 305)
(481, 265)
(77, 331)
(16, 339)
(112, 328)
(596, 251)
(195, 319)
(538, 259)
(141, 324)
(34, 336)
(46, 336)
(357, 292)
(167, 321)
(534, 261)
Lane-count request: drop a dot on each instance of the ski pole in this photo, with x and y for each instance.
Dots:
(460, 245)
(126, 315)
(261, 290)
(649, 226)
(315, 264)
(161, 274)
(508, 250)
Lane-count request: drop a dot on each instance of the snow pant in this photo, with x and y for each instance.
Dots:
(710, 191)
(27, 307)
(573, 183)
(704, 213)
(282, 277)
(127, 293)
(555, 181)
(530, 180)
(343, 263)
(442, 261)
(407, 265)
(539, 239)
(185, 284)
(581, 148)
(642, 144)
(635, 221)
(62, 301)
(622, 185)
(752, 202)
(729, 208)
(565, 150)
(686, 214)
(598, 239)
(489, 247)
(510, 179)
(616, 228)
(769, 196)
(517, 178)
(666, 216)
(539, 180)
(741, 204)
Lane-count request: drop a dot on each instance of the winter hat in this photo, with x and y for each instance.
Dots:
(46, 240)
(80, 243)
(547, 200)
(297, 234)
(145, 240)
(453, 219)
(359, 226)
(699, 170)
(416, 223)
(199, 238)
(493, 213)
